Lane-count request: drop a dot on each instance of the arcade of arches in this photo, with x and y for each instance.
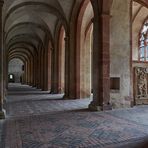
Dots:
(95, 49)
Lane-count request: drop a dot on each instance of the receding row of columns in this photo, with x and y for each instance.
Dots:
(42, 69)
(100, 59)
(37, 70)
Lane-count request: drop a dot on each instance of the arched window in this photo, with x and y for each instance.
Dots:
(143, 43)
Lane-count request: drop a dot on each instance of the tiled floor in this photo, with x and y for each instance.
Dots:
(24, 101)
(37, 119)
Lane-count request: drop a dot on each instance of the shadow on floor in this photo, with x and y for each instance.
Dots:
(42, 120)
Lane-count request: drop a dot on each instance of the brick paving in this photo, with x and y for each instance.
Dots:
(37, 119)
(23, 100)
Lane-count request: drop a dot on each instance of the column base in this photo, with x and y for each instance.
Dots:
(2, 114)
(4, 102)
(65, 97)
(94, 107)
(5, 99)
(29, 84)
(38, 87)
(52, 92)
(34, 86)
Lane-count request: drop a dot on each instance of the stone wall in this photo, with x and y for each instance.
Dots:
(15, 68)
(120, 52)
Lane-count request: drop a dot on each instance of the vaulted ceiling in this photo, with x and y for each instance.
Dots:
(139, 11)
(30, 24)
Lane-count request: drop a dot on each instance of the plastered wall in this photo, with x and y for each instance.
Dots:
(120, 51)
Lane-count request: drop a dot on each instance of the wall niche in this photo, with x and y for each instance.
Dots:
(115, 84)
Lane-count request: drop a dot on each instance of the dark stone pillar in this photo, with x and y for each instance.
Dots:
(101, 62)
(67, 70)
(52, 70)
(35, 74)
(2, 112)
(47, 74)
(25, 76)
(28, 72)
(31, 71)
(55, 69)
(39, 71)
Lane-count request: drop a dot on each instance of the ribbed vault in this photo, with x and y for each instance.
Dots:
(29, 25)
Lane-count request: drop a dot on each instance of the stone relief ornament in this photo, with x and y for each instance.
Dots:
(141, 81)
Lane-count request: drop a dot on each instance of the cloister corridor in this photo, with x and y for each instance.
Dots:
(37, 119)
(73, 73)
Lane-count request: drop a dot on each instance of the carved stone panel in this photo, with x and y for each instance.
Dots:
(140, 85)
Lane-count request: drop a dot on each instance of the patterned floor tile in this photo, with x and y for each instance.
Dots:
(40, 120)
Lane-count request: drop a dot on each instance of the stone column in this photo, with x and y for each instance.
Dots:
(42, 70)
(6, 69)
(52, 70)
(35, 73)
(70, 68)
(67, 64)
(5, 76)
(47, 70)
(31, 71)
(28, 72)
(2, 112)
(55, 70)
(39, 71)
(101, 63)
(36, 70)
(25, 72)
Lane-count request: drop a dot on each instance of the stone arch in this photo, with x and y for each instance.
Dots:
(15, 70)
(83, 53)
(56, 59)
(28, 73)
(142, 2)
